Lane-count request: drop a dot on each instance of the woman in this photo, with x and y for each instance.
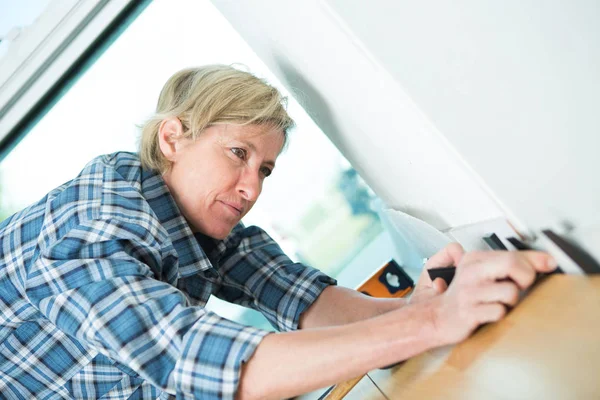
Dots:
(105, 279)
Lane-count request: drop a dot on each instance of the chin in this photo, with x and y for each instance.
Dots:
(218, 234)
(216, 230)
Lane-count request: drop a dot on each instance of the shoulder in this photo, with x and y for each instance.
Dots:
(122, 194)
(122, 167)
(118, 172)
(107, 188)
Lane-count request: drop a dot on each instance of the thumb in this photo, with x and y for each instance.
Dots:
(448, 256)
(439, 285)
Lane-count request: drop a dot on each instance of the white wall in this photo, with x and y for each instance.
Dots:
(454, 111)
(362, 108)
(513, 85)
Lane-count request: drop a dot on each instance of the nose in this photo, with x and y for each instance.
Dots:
(249, 185)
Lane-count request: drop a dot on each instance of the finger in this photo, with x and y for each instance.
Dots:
(451, 255)
(542, 262)
(520, 266)
(439, 285)
(497, 292)
(485, 313)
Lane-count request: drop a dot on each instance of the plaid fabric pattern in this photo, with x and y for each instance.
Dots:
(103, 287)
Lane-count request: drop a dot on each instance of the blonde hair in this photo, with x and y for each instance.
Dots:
(211, 95)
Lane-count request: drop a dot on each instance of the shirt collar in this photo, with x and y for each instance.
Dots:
(192, 258)
(216, 249)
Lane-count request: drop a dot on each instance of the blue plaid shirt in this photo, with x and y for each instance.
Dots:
(103, 287)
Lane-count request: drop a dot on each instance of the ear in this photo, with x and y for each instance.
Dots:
(170, 131)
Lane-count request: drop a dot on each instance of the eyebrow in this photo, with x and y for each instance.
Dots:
(253, 148)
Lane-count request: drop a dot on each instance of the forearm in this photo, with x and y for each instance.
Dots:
(288, 364)
(338, 306)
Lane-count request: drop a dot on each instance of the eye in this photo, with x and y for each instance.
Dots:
(239, 152)
(266, 171)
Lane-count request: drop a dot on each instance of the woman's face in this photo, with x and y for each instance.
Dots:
(217, 178)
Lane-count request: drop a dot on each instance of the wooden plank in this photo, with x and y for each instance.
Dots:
(363, 390)
(547, 347)
(342, 389)
(360, 388)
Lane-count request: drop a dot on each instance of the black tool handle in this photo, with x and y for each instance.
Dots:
(446, 273)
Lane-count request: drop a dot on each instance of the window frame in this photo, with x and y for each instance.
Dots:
(49, 56)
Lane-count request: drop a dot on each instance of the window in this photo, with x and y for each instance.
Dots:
(13, 19)
(315, 205)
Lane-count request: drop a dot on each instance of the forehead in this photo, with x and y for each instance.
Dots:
(262, 138)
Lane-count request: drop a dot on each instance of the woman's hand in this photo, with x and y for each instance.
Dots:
(485, 283)
(450, 255)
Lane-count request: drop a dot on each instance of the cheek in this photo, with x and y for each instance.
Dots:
(201, 192)
(189, 191)
(223, 170)
(201, 184)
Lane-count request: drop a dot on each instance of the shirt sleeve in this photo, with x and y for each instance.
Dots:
(257, 274)
(92, 286)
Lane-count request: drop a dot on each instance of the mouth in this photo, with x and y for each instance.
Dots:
(235, 209)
